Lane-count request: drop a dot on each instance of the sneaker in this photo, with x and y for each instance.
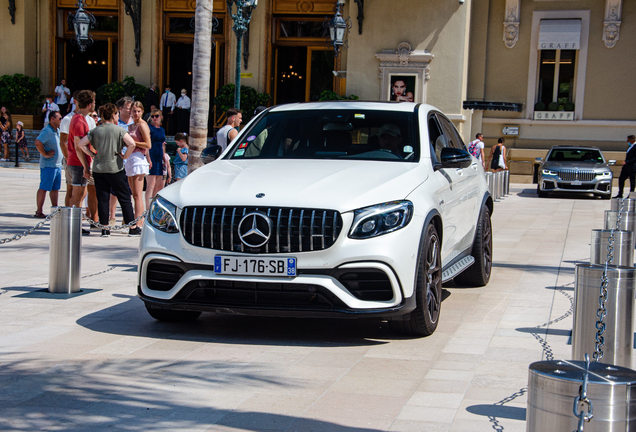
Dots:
(2, 160)
(105, 233)
(112, 222)
(86, 232)
(134, 232)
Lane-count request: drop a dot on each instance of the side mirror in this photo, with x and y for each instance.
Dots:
(455, 158)
(611, 162)
(210, 154)
(538, 160)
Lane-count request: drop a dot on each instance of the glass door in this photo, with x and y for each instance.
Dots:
(302, 73)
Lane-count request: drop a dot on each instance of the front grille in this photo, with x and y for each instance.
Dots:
(573, 175)
(163, 275)
(293, 229)
(584, 186)
(224, 293)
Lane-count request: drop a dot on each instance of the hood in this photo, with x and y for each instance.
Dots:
(341, 185)
(574, 165)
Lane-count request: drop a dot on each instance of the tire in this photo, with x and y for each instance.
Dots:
(171, 315)
(478, 274)
(541, 193)
(428, 289)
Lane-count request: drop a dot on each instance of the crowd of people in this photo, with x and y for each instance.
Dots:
(106, 156)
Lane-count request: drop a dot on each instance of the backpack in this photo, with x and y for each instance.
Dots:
(473, 150)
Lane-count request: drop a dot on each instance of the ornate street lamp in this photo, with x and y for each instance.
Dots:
(82, 22)
(338, 29)
(241, 18)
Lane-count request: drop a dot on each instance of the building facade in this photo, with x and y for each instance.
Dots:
(539, 72)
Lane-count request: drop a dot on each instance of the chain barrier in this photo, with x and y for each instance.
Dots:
(31, 230)
(114, 227)
(601, 313)
(495, 423)
(583, 408)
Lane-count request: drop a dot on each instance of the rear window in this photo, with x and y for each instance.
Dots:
(330, 134)
(576, 155)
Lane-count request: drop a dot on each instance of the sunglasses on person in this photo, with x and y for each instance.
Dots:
(95, 116)
(155, 116)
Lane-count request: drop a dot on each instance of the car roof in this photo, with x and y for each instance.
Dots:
(362, 105)
(566, 147)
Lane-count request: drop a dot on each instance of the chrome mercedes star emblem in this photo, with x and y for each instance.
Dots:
(254, 229)
(260, 195)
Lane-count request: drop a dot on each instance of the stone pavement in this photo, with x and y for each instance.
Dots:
(96, 360)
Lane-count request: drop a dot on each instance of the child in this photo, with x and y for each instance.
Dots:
(20, 139)
(167, 171)
(181, 160)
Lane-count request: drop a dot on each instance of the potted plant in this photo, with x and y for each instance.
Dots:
(21, 95)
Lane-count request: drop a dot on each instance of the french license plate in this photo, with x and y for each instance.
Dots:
(577, 183)
(246, 266)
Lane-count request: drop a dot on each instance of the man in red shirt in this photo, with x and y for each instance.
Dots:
(78, 163)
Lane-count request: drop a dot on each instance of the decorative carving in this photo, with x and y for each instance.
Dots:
(360, 4)
(404, 51)
(511, 23)
(612, 23)
(133, 9)
(12, 10)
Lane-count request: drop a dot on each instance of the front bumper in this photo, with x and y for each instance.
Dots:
(555, 184)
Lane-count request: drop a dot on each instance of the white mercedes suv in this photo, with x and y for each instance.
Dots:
(329, 209)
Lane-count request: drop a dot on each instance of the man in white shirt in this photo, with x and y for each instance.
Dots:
(476, 148)
(227, 133)
(49, 106)
(167, 104)
(63, 94)
(183, 112)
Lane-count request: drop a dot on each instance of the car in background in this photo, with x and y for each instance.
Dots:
(575, 169)
(332, 209)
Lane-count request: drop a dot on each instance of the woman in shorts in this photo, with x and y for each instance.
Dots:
(138, 163)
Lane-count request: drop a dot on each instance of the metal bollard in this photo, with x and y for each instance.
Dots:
(629, 204)
(497, 185)
(628, 220)
(501, 184)
(506, 182)
(65, 251)
(619, 322)
(623, 247)
(554, 385)
(490, 183)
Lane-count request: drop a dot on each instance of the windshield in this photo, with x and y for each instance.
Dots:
(576, 155)
(330, 134)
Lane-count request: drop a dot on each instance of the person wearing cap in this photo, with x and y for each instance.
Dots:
(390, 138)
(183, 112)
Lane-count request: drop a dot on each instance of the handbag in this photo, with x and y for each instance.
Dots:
(502, 161)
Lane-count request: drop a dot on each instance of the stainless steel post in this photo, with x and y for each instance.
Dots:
(490, 182)
(619, 333)
(497, 184)
(553, 386)
(506, 182)
(623, 247)
(628, 220)
(65, 251)
(502, 180)
(629, 204)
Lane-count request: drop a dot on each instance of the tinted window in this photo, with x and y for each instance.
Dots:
(330, 134)
(576, 155)
(437, 140)
(454, 140)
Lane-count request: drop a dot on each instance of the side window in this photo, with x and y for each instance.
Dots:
(437, 140)
(454, 140)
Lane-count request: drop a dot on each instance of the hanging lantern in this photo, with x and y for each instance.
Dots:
(82, 23)
(338, 28)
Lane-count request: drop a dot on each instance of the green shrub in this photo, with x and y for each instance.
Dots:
(553, 106)
(329, 95)
(116, 90)
(568, 106)
(250, 100)
(539, 106)
(20, 94)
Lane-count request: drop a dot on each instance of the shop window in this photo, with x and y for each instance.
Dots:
(105, 22)
(556, 79)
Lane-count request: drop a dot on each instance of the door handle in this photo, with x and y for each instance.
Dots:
(474, 166)
(460, 171)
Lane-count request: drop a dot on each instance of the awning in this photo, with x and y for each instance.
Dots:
(560, 34)
(497, 106)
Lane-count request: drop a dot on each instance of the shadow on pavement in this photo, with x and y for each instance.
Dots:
(144, 395)
(498, 411)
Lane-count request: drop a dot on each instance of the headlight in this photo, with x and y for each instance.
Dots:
(550, 172)
(381, 219)
(162, 215)
(607, 174)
